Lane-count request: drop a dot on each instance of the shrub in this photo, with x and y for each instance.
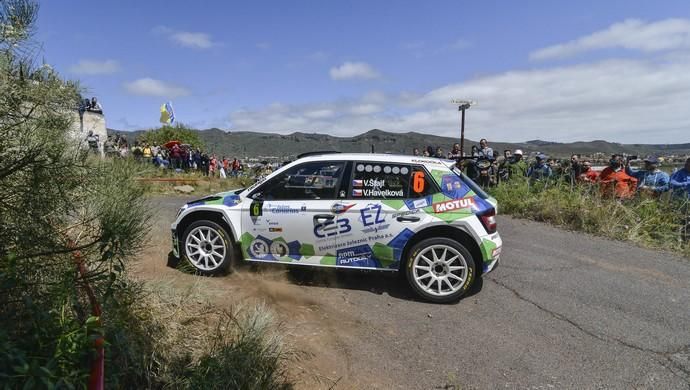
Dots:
(178, 132)
(655, 223)
(56, 199)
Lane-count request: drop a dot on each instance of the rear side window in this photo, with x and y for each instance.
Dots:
(313, 180)
(471, 184)
(372, 180)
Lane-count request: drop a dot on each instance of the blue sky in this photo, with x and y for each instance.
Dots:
(556, 70)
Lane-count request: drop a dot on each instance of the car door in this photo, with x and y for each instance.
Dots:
(289, 219)
(384, 209)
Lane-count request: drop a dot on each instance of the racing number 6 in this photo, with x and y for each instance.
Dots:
(418, 182)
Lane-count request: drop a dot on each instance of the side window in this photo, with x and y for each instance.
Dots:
(313, 180)
(373, 180)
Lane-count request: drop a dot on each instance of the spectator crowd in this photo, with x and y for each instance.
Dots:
(173, 155)
(619, 179)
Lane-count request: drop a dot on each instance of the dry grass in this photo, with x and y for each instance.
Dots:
(204, 346)
(654, 223)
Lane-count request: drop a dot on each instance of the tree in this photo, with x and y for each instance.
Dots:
(179, 132)
(54, 198)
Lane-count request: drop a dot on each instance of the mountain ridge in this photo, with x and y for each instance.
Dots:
(253, 144)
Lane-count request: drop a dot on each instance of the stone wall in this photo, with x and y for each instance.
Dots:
(91, 122)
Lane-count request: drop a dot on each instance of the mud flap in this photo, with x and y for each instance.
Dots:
(173, 260)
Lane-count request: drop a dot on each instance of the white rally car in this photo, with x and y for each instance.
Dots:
(417, 215)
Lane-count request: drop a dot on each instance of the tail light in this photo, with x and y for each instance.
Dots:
(488, 219)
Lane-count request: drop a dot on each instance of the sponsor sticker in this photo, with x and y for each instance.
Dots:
(258, 248)
(285, 209)
(332, 228)
(340, 208)
(420, 203)
(256, 208)
(275, 229)
(358, 256)
(453, 205)
(373, 219)
(279, 248)
(404, 213)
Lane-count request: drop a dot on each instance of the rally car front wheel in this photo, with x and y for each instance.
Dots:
(207, 247)
(440, 270)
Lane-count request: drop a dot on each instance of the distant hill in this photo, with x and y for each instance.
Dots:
(245, 144)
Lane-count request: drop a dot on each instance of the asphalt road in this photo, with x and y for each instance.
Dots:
(563, 310)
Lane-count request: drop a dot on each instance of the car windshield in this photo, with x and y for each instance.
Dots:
(476, 188)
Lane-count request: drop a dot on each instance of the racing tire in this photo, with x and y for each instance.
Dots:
(440, 270)
(207, 247)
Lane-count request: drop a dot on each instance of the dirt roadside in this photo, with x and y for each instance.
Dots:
(314, 322)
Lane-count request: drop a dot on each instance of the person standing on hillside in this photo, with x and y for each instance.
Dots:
(575, 169)
(205, 161)
(484, 149)
(439, 152)
(540, 171)
(650, 180)
(235, 167)
(95, 106)
(680, 182)
(517, 166)
(588, 174)
(614, 182)
(415, 152)
(455, 153)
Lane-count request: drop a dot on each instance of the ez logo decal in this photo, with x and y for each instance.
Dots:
(371, 215)
(332, 228)
(372, 218)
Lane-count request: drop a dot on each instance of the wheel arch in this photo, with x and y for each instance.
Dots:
(215, 216)
(456, 233)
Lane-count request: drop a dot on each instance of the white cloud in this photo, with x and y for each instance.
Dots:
(95, 67)
(354, 70)
(460, 44)
(631, 34)
(318, 55)
(152, 87)
(364, 109)
(194, 40)
(319, 113)
(626, 101)
(413, 45)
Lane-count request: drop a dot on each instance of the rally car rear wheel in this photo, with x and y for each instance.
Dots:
(207, 247)
(440, 270)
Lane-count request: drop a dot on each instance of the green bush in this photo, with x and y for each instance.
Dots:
(178, 132)
(55, 199)
(655, 223)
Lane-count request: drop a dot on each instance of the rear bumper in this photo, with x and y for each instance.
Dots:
(488, 267)
(491, 247)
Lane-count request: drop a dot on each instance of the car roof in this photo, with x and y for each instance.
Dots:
(379, 157)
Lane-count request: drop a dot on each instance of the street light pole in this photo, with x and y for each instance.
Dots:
(462, 106)
(462, 132)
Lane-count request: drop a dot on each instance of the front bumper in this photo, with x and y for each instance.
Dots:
(175, 244)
